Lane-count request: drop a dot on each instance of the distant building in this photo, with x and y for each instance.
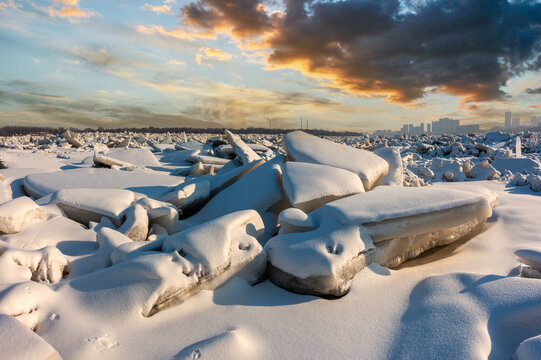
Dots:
(445, 126)
(516, 122)
(508, 119)
(442, 126)
(536, 120)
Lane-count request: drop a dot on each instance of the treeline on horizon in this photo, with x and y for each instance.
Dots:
(27, 130)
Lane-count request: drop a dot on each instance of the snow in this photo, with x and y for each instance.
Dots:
(149, 183)
(18, 342)
(531, 257)
(395, 176)
(17, 213)
(388, 225)
(84, 205)
(304, 147)
(529, 349)
(308, 186)
(195, 287)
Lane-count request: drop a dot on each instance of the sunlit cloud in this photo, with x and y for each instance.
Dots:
(178, 33)
(211, 54)
(176, 62)
(158, 9)
(66, 9)
(9, 4)
(376, 49)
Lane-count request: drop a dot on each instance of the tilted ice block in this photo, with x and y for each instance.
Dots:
(308, 186)
(141, 157)
(72, 139)
(226, 244)
(85, 205)
(531, 257)
(136, 224)
(259, 190)
(191, 195)
(17, 213)
(388, 225)
(17, 342)
(395, 176)
(304, 147)
(210, 254)
(160, 213)
(103, 160)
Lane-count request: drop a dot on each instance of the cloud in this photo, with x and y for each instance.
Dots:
(210, 53)
(178, 33)
(243, 18)
(52, 110)
(158, 9)
(65, 9)
(536, 91)
(9, 4)
(211, 105)
(176, 62)
(379, 47)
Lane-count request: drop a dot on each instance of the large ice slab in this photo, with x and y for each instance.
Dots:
(141, 157)
(308, 186)
(259, 190)
(191, 195)
(17, 213)
(207, 255)
(304, 147)
(320, 254)
(150, 183)
(85, 205)
(227, 244)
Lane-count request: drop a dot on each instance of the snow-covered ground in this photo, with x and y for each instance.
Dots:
(196, 246)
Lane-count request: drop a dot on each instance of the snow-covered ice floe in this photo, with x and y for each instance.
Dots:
(101, 234)
(320, 253)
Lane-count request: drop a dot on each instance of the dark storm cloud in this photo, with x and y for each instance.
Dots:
(244, 17)
(536, 91)
(400, 50)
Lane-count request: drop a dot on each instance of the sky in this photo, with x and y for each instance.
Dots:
(356, 65)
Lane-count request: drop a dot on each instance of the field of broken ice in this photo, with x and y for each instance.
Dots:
(197, 246)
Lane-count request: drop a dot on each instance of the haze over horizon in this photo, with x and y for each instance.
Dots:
(343, 65)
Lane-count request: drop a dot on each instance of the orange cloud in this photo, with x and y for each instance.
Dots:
(176, 62)
(158, 9)
(9, 4)
(178, 33)
(65, 9)
(210, 53)
(371, 48)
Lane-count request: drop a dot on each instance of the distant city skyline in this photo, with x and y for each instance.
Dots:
(453, 126)
(353, 65)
